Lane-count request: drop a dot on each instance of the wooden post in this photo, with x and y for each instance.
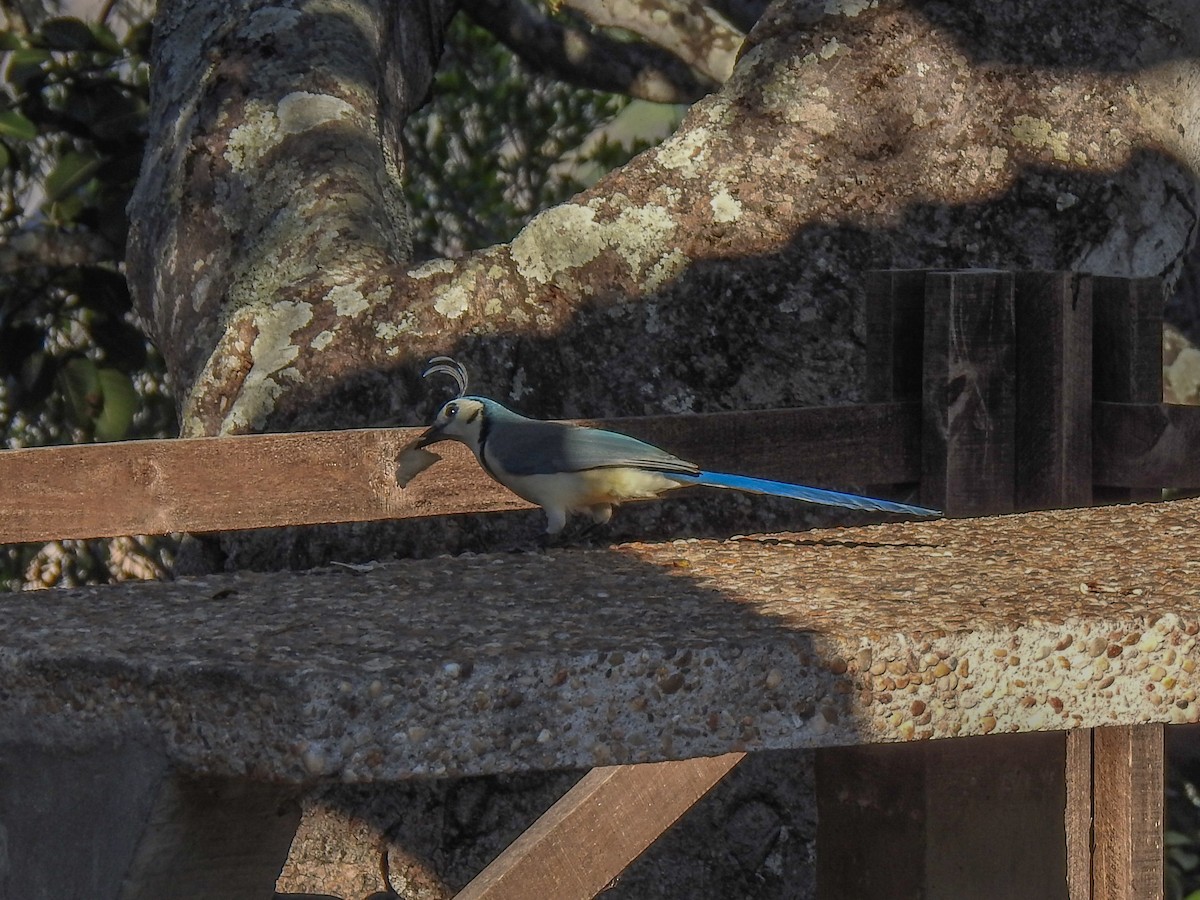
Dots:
(1078, 814)
(943, 820)
(1007, 383)
(1127, 805)
(1127, 761)
(1127, 353)
(895, 320)
(970, 393)
(1054, 390)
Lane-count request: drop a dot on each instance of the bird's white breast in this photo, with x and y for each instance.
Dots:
(580, 490)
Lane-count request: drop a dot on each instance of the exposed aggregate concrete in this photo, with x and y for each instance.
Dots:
(574, 657)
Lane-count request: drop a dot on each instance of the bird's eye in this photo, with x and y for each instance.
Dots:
(451, 410)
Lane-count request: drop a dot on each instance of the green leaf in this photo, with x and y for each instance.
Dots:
(67, 33)
(103, 401)
(10, 40)
(5, 157)
(15, 125)
(137, 42)
(26, 64)
(66, 211)
(104, 39)
(72, 171)
(120, 403)
(80, 384)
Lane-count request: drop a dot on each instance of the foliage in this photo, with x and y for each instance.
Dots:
(1182, 838)
(496, 144)
(72, 128)
(74, 364)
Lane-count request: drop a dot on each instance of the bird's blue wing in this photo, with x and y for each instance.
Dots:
(531, 447)
(802, 492)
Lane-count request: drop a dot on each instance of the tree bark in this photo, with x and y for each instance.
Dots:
(722, 269)
(270, 188)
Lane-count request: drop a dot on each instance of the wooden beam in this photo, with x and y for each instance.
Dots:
(1127, 805)
(597, 829)
(268, 480)
(1146, 445)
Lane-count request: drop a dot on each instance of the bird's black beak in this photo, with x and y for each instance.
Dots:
(431, 436)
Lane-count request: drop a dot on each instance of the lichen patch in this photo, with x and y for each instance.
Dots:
(271, 355)
(565, 238)
(685, 152)
(726, 208)
(347, 300)
(561, 238)
(251, 140)
(453, 301)
(432, 268)
(848, 8)
(1038, 133)
(301, 110)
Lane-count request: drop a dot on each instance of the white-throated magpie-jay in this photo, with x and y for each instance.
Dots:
(573, 469)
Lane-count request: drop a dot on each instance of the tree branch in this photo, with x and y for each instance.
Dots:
(688, 29)
(589, 60)
(742, 13)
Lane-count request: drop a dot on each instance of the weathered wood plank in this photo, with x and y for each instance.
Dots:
(1078, 817)
(1128, 809)
(968, 441)
(216, 484)
(1054, 390)
(1146, 445)
(597, 829)
(1127, 352)
(251, 481)
(895, 329)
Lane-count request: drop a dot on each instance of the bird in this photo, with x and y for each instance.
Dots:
(565, 468)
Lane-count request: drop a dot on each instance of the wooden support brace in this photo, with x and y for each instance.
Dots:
(597, 829)
(1127, 809)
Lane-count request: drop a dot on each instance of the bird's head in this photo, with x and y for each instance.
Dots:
(461, 419)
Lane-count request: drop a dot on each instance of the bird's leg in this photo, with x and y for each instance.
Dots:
(600, 514)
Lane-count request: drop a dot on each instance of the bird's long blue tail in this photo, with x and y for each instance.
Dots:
(801, 492)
